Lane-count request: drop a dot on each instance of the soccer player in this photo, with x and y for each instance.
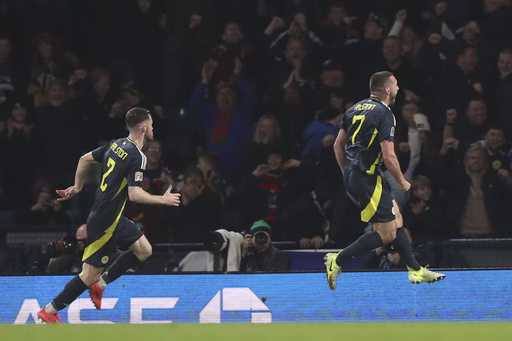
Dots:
(364, 141)
(123, 164)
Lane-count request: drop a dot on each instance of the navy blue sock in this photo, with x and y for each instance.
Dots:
(402, 245)
(72, 290)
(362, 245)
(122, 263)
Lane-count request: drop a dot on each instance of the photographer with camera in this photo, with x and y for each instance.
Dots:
(45, 211)
(66, 254)
(258, 253)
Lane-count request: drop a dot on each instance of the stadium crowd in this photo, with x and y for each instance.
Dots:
(248, 96)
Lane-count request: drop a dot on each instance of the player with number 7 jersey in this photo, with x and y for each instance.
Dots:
(364, 143)
(367, 123)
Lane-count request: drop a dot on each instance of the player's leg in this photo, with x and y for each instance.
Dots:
(74, 288)
(402, 244)
(139, 249)
(366, 191)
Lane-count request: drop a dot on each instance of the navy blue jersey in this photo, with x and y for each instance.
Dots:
(123, 164)
(367, 123)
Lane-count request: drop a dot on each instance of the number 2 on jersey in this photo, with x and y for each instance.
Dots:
(110, 164)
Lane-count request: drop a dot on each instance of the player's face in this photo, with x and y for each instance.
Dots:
(393, 89)
(148, 135)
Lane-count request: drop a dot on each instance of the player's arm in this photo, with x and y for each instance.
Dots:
(138, 195)
(393, 166)
(339, 148)
(81, 171)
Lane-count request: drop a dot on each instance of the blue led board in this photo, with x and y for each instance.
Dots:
(266, 298)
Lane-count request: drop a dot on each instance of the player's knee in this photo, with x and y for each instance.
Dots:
(388, 236)
(145, 253)
(89, 278)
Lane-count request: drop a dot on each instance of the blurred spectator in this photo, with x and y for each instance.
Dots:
(10, 76)
(496, 24)
(46, 210)
(411, 39)
(307, 219)
(298, 30)
(429, 146)
(49, 62)
(266, 133)
(291, 65)
(332, 88)
(57, 123)
(412, 82)
(423, 213)
(293, 110)
(270, 188)
(337, 30)
(319, 133)
(501, 91)
(258, 253)
(199, 211)
(495, 144)
(227, 124)
(145, 50)
(157, 172)
(469, 128)
(226, 54)
(456, 81)
(95, 97)
(18, 157)
(478, 199)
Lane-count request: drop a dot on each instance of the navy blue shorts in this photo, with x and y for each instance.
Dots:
(370, 193)
(103, 240)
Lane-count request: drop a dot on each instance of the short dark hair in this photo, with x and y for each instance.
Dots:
(136, 116)
(379, 80)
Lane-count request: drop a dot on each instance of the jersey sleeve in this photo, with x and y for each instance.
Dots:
(135, 171)
(386, 127)
(99, 152)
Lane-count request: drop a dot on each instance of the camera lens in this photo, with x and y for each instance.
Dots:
(260, 238)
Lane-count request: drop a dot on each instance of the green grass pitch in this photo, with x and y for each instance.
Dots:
(396, 331)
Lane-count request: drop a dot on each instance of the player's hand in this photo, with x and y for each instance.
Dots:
(404, 187)
(171, 199)
(68, 193)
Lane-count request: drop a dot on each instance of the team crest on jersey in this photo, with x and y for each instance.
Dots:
(138, 176)
(104, 260)
(392, 133)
